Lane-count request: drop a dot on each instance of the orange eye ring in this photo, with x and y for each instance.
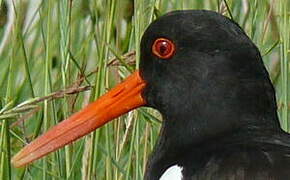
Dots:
(163, 48)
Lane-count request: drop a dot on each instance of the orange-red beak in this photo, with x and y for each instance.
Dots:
(121, 99)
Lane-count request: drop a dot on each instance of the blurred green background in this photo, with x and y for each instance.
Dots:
(58, 55)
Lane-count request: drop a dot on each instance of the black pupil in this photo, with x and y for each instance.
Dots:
(163, 48)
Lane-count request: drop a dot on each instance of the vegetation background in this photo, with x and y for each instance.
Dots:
(58, 55)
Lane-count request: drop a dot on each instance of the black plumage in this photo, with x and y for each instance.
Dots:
(216, 99)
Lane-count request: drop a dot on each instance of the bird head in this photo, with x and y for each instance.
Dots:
(205, 75)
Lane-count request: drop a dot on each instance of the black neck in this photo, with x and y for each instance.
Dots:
(178, 144)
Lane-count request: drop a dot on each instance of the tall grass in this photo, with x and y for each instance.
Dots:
(57, 56)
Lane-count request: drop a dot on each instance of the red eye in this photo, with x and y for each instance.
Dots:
(163, 48)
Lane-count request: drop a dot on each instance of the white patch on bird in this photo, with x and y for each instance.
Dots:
(172, 173)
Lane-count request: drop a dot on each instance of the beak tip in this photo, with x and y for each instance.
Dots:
(16, 160)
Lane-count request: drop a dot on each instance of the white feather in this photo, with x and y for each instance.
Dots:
(172, 173)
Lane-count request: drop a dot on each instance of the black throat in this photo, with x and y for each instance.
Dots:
(192, 151)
